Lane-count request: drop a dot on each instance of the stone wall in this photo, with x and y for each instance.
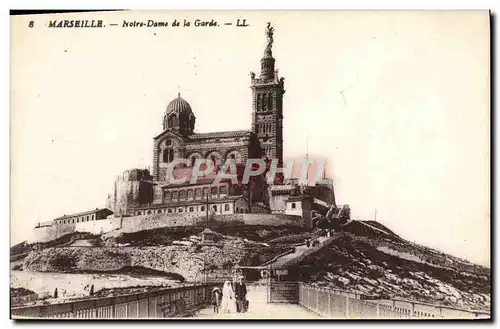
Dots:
(98, 226)
(48, 233)
(147, 222)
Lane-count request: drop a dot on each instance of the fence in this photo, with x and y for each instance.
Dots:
(283, 292)
(337, 304)
(171, 302)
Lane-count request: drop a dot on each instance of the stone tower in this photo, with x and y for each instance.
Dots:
(267, 103)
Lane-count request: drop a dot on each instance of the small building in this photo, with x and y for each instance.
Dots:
(92, 215)
(208, 236)
(300, 205)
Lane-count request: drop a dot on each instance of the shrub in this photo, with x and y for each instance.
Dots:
(62, 261)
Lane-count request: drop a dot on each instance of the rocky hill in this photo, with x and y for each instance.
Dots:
(382, 266)
(364, 257)
(184, 259)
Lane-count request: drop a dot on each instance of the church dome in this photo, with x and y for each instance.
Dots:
(178, 105)
(179, 116)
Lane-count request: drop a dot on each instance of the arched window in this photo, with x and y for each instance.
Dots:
(168, 155)
(270, 101)
(139, 213)
(205, 191)
(169, 210)
(234, 157)
(259, 102)
(226, 207)
(172, 121)
(214, 208)
(265, 102)
(213, 158)
(182, 194)
(149, 212)
(191, 209)
(190, 194)
(197, 192)
(202, 208)
(175, 195)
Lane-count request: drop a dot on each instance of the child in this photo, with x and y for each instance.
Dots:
(216, 297)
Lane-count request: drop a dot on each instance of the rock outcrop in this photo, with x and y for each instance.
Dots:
(187, 261)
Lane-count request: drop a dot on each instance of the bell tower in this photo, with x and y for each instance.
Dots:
(267, 103)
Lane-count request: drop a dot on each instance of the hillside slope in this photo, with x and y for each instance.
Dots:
(176, 253)
(381, 268)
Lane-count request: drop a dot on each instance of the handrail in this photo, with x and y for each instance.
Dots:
(98, 307)
(328, 302)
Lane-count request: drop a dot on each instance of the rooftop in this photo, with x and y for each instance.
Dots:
(221, 134)
(85, 213)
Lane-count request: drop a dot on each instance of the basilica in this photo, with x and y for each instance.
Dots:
(141, 192)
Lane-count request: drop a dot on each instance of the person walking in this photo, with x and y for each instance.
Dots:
(240, 294)
(227, 298)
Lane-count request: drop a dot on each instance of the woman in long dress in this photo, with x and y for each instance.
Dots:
(228, 301)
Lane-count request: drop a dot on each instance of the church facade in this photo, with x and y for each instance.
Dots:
(139, 191)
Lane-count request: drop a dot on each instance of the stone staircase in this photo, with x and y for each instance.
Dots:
(300, 253)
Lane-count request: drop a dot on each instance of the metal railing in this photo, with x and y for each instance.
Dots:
(343, 305)
(170, 302)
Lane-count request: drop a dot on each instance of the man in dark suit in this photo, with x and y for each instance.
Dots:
(240, 293)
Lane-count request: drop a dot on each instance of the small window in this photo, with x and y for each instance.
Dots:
(180, 210)
(214, 208)
(139, 213)
(169, 210)
(293, 205)
(182, 194)
(202, 208)
(175, 195)
(213, 190)
(197, 192)
(159, 211)
(191, 209)
(87, 217)
(190, 194)
(78, 220)
(226, 207)
(149, 212)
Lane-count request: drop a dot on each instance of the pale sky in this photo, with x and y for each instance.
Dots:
(398, 102)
